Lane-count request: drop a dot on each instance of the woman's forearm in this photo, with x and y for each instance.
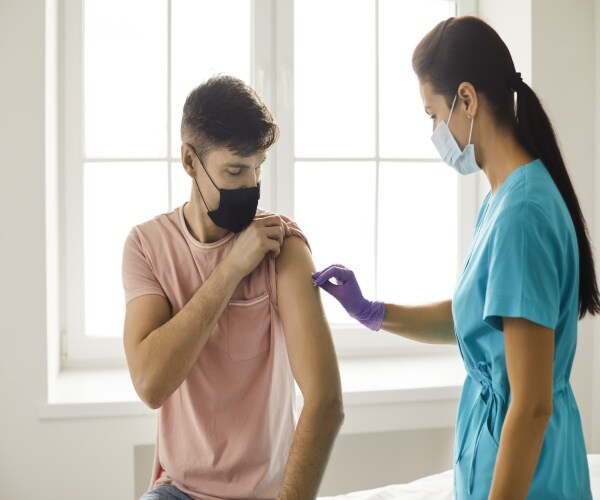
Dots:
(519, 451)
(432, 323)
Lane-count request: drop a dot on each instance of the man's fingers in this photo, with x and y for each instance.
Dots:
(268, 220)
(275, 233)
(274, 246)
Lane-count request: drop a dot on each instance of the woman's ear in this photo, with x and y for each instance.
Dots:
(469, 101)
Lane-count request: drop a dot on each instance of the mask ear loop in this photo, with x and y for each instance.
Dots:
(201, 197)
(209, 177)
(451, 109)
(203, 167)
(471, 130)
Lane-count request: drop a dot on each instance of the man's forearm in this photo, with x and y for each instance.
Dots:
(168, 353)
(316, 431)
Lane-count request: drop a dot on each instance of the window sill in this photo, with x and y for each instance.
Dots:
(380, 394)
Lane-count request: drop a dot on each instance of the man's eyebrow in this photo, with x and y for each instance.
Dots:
(236, 165)
(243, 165)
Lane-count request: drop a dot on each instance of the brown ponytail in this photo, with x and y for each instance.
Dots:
(535, 132)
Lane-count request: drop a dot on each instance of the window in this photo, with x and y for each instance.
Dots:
(337, 76)
(368, 186)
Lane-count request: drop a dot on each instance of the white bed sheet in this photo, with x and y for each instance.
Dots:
(439, 487)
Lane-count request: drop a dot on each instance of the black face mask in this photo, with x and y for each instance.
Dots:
(237, 207)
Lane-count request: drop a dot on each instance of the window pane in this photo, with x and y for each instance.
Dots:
(417, 232)
(117, 196)
(334, 78)
(404, 128)
(208, 37)
(335, 208)
(125, 78)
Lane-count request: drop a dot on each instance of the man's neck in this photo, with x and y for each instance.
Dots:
(199, 224)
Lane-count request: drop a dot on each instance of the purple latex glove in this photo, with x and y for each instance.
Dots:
(347, 291)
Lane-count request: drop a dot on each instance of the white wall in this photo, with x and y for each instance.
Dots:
(93, 458)
(512, 20)
(595, 444)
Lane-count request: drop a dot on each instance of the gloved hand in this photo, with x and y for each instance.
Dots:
(347, 291)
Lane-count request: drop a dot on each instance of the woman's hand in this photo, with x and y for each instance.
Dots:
(347, 291)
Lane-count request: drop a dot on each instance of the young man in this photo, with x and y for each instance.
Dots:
(222, 316)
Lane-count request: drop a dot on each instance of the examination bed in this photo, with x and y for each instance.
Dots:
(439, 487)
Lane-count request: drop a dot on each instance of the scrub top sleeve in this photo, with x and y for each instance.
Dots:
(524, 255)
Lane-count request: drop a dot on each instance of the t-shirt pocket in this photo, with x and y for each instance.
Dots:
(249, 328)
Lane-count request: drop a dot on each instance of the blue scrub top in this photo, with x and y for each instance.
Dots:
(523, 263)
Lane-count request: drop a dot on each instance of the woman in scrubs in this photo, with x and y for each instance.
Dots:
(528, 278)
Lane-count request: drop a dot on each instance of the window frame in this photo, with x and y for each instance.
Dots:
(272, 63)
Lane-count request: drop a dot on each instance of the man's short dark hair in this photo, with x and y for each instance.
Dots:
(226, 112)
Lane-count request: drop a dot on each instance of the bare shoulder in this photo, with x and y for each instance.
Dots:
(299, 300)
(295, 257)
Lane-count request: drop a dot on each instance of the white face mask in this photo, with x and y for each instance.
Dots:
(462, 161)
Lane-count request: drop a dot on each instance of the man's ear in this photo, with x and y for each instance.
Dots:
(187, 159)
(468, 99)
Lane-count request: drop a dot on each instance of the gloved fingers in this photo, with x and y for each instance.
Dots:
(329, 287)
(317, 274)
(341, 273)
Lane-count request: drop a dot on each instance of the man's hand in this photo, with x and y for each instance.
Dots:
(264, 234)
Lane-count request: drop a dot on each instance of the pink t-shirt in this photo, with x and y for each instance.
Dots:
(225, 433)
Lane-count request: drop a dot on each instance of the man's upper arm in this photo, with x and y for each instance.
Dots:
(308, 338)
(147, 308)
(143, 315)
